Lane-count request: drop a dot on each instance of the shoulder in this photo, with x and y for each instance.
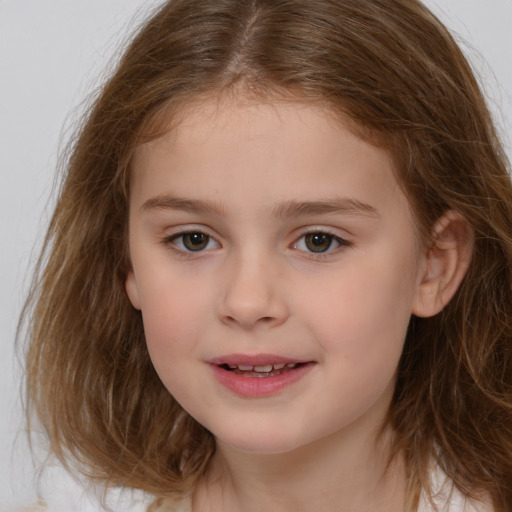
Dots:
(38, 506)
(455, 503)
(184, 505)
(447, 498)
(42, 506)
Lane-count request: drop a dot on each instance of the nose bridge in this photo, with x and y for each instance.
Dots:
(251, 293)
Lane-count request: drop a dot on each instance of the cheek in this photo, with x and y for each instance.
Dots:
(362, 328)
(172, 326)
(175, 321)
(173, 316)
(363, 314)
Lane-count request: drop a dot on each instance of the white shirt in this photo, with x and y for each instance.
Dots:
(64, 494)
(446, 498)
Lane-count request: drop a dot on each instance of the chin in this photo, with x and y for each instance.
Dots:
(262, 440)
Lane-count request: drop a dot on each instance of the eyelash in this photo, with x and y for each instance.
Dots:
(332, 238)
(182, 250)
(171, 241)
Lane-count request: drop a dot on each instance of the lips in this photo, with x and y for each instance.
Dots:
(260, 375)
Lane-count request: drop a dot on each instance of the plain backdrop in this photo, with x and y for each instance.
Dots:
(52, 54)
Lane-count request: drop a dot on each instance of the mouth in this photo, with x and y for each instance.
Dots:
(260, 371)
(259, 376)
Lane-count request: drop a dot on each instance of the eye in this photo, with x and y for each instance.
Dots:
(193, 241)
(319, 242)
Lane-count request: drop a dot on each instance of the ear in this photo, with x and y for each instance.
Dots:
(130, 285)
(446, 262)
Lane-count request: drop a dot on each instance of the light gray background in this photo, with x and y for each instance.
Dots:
(52, 53)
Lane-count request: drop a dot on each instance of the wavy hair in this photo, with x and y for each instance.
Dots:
(391, 68)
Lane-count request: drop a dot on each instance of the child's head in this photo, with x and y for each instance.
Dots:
(388, 80)
(269, 234)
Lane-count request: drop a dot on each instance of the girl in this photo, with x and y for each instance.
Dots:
(278, 274)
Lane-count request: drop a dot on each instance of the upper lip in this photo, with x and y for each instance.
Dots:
(254, 360)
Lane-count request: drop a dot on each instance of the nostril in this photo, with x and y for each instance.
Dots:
(248, 322)
(251, 309)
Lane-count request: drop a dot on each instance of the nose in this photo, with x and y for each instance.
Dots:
(252, 295)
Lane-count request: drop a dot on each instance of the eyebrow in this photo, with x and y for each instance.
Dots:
(337, 205)
(170, 202)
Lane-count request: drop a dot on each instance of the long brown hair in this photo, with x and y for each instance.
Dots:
(393, 69)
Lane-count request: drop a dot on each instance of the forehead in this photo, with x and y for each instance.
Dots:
(272, 150)
(236, 105)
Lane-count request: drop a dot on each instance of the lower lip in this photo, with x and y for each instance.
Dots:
(259, 386)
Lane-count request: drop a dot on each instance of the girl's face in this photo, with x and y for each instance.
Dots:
(276, 266)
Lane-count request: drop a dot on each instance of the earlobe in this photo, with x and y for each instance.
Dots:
(132, 291)
(446, 262)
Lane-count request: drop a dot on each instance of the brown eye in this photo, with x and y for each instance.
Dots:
(318, 242)
(195, 241)
(188, 242)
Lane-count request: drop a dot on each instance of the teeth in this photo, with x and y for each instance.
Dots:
(263, 369)
(260, 368)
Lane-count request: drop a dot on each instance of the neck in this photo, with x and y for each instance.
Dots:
(330, 475)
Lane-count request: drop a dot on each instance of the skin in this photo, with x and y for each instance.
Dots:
(236, 172)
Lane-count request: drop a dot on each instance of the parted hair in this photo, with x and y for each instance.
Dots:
(394, 71)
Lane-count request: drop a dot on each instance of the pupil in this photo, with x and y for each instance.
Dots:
(195, 241)
(318, 242)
